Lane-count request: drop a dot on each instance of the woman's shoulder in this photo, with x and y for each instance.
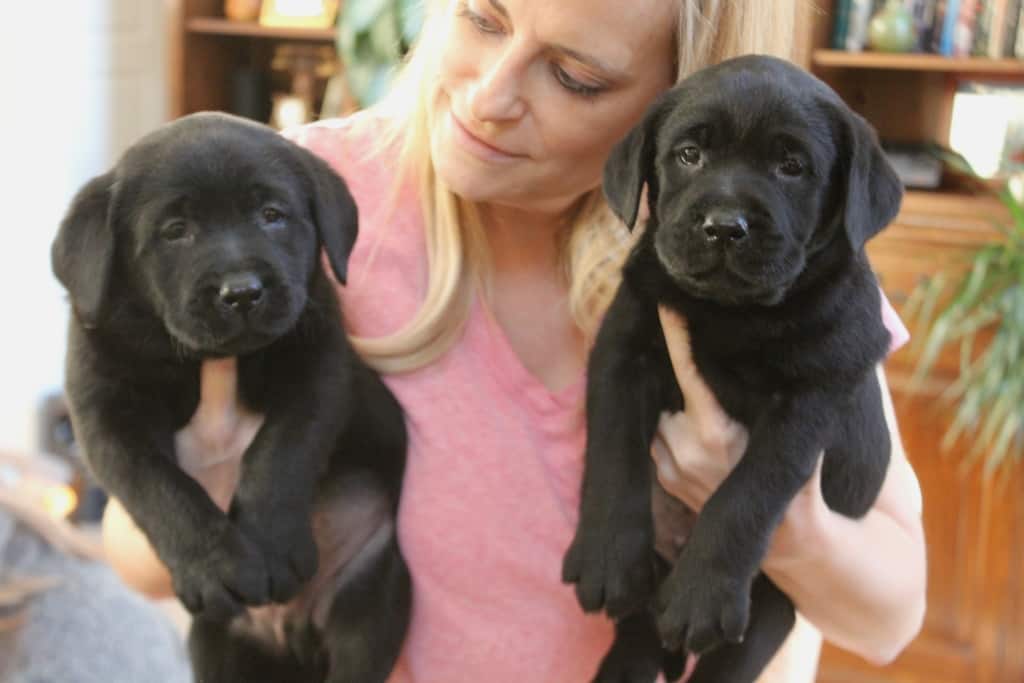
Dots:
(348, 143)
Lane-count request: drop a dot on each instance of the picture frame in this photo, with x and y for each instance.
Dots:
(299, 13)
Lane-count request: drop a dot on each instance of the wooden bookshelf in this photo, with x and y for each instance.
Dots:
(215, 26)
(916, 62)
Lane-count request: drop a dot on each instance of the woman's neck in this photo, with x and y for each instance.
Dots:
(522, 240)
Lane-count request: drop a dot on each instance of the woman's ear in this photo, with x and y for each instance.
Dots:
(82, 255)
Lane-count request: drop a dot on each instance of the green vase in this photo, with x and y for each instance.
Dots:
(892, 28)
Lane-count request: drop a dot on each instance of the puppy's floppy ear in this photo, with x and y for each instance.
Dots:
(82, 254)
(630, 166)
(873, 191)
(335, 213)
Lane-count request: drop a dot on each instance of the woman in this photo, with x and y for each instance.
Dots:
(485, 259)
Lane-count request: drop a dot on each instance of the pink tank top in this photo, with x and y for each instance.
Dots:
(495, 462)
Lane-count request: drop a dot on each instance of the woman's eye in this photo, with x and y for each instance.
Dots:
(272, 215)
(482, 23)
(791, 166)
(690, 155)
(174, 231)
(573, 85)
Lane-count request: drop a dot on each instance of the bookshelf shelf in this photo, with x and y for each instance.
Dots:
(916, 62)
(224, 27)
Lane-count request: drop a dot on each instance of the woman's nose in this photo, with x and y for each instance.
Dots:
(497, 93)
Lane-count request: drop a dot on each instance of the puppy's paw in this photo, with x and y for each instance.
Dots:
(620, 667)
(699, 610)
(286, 541)
(218, 579)
(612, 566)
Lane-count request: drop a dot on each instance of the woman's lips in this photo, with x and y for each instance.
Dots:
(478, 146)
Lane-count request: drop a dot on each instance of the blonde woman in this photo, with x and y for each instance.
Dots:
(64, 615)
(485, 259)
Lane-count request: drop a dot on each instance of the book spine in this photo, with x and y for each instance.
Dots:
(982, 29)
(1018, 48)
(997, 32)
(949, 22)
(840, 24)
(857, 33)
(1012, 27)
(924, 14)
(963, 32)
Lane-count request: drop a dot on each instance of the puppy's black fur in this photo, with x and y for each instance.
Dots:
(763, 188)
(204, 241)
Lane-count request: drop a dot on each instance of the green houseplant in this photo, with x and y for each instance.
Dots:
(982, 310)
(372, 38)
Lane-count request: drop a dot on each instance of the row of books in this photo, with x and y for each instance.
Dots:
(954, 28)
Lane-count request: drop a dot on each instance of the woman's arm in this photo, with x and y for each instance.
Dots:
(861, 582)
(130, 554)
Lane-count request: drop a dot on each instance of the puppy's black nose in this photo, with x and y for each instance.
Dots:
(724, 225)
(241, 291)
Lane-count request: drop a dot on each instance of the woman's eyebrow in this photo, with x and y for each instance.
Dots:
(593, 62)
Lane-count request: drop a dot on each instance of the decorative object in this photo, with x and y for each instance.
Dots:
(306, 65)
(892, 28)
(987, 128)
(373, 36)
(299, 13)
(986, 310)
(242, 10)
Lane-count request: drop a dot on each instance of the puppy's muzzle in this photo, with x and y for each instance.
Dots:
(241, 292)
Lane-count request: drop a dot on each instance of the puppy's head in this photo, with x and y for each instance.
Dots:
(212, 223)
(753, 168)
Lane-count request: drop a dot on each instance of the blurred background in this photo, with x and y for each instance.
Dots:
(941, 80)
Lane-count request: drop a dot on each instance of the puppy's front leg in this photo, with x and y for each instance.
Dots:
(706, 598)
(305, 387)
(611, 559)
(128, 443)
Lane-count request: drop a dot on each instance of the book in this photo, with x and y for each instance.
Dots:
(997, 31)
(949, 23)
(1013, 13)
(982, 29)
(841, 24)
(963, 29)
(1018, 47)
(924, 14)
(857, 31)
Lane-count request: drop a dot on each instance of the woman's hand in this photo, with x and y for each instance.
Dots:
(861, 582)
(211, 446)
(210, 449)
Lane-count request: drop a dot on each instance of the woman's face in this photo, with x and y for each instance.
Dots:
(534, 93)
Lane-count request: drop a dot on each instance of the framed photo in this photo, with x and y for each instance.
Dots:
(299, 13)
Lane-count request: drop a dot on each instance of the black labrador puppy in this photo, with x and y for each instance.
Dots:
(763, 188)
(204, 241)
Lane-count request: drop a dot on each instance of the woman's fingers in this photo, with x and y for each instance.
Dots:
(715, 429)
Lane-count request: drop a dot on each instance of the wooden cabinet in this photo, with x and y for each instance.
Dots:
(974, 627)
(216, 62)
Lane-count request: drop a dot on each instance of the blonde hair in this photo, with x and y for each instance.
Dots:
(707, 32)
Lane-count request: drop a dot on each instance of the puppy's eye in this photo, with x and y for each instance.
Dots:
(791, 166)
(271, 215)
(690, 155)
(174, 231)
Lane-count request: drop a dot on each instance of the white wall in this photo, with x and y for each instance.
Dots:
(80, 80)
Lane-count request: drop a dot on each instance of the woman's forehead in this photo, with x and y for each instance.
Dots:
(623, 40)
